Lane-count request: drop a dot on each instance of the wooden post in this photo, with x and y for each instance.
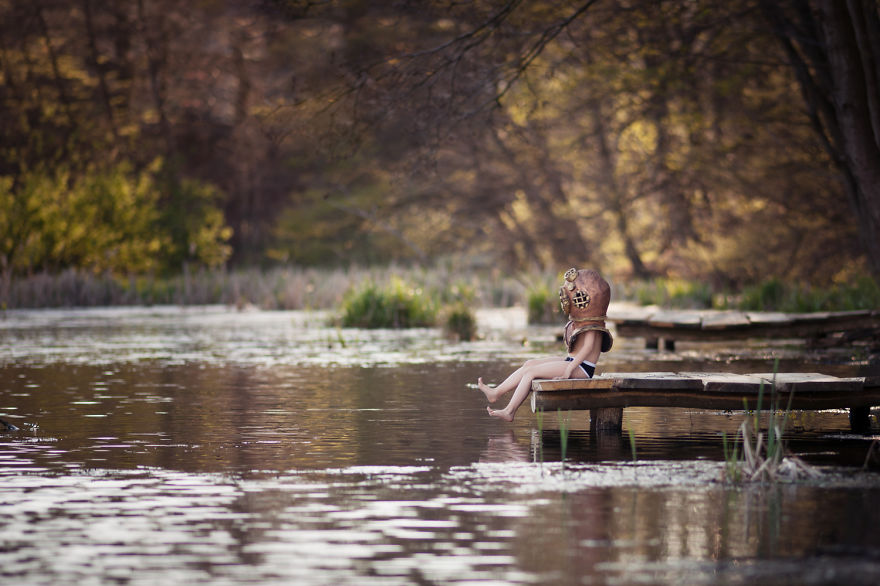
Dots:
(859, 419)
(606, 420)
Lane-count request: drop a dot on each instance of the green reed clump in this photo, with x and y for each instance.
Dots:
(632, 443)
(664, 292)
(731, 459)
(775, 295)
(460, 322)
(563, 433)
(542, 303)
(764, 457)
(539, 417)
(396, 305)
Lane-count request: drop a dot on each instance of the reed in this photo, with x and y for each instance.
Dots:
(396, 305)
(776, 295)
(764, 457)
(446, 281)
(632, 443)
(542, 303)
(563, 433)
(459, 322)
(284, 287)
(539, 417)
(679, 293)
(772, 294)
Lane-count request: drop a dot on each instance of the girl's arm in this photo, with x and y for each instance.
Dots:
(585, 348)
(569, 369)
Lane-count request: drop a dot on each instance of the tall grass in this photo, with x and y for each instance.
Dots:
(542, 304)
(445, 282)
(276, 288)
(539, 417)
(776, 295)
(394, 305)
(632, 443)
(772, 294)
(764, 457)
(678, 293)
(564, 430)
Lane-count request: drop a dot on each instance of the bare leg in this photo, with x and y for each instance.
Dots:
(493, 394)
(546, 369)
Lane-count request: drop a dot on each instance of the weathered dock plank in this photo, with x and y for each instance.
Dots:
(713, 326)
(675, 319)
(769, 318)
(725, 320)
(803, 382)
(727, 383)
(698, 390)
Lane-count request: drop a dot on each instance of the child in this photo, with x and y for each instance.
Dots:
(584, 297)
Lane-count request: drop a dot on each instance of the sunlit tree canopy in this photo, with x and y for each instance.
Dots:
(699, 139)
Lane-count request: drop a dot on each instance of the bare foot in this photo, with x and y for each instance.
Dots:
(490, 393)
(500, 414)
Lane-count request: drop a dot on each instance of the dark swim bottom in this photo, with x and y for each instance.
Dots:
(588, 367)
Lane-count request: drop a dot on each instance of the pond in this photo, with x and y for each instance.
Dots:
(206, 445)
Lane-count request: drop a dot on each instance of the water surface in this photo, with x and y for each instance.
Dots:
(211, 446)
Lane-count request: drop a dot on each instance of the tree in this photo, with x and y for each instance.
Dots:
(834, 49)
(642, 137)
(654, 134)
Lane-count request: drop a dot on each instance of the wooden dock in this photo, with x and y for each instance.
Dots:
(662, 328)
(606, 395)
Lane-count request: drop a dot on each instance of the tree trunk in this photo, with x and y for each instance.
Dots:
(835, 57)
(855, 98)
(95, 59)
(616, 200)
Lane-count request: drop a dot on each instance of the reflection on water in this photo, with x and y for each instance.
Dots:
(226, 448)
(399, 525)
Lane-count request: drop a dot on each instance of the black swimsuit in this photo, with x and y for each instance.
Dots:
(587, 367)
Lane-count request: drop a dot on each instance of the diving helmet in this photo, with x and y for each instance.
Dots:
(584, 295)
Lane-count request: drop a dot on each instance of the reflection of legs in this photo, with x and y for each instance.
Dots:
(512, 380)
(546, 369)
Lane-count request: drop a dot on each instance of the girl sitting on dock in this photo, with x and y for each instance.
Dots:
(584, 297)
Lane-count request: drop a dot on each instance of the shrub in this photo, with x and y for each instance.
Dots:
(671, 293)
(774, 295)
(460, 322)
(396, 305)
(543, 305)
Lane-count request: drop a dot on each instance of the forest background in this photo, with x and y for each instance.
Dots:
(722, 143)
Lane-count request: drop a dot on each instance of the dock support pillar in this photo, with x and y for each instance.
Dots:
(860, 419)
(606, 420)
(667, 344)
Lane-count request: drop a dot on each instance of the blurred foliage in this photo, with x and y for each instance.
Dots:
(772, 294)
(459, 322)
(775, 295)
(678, 293)
(659, 142)
(106, 220)
(542, 303)
(319, 289)
(396, 305)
